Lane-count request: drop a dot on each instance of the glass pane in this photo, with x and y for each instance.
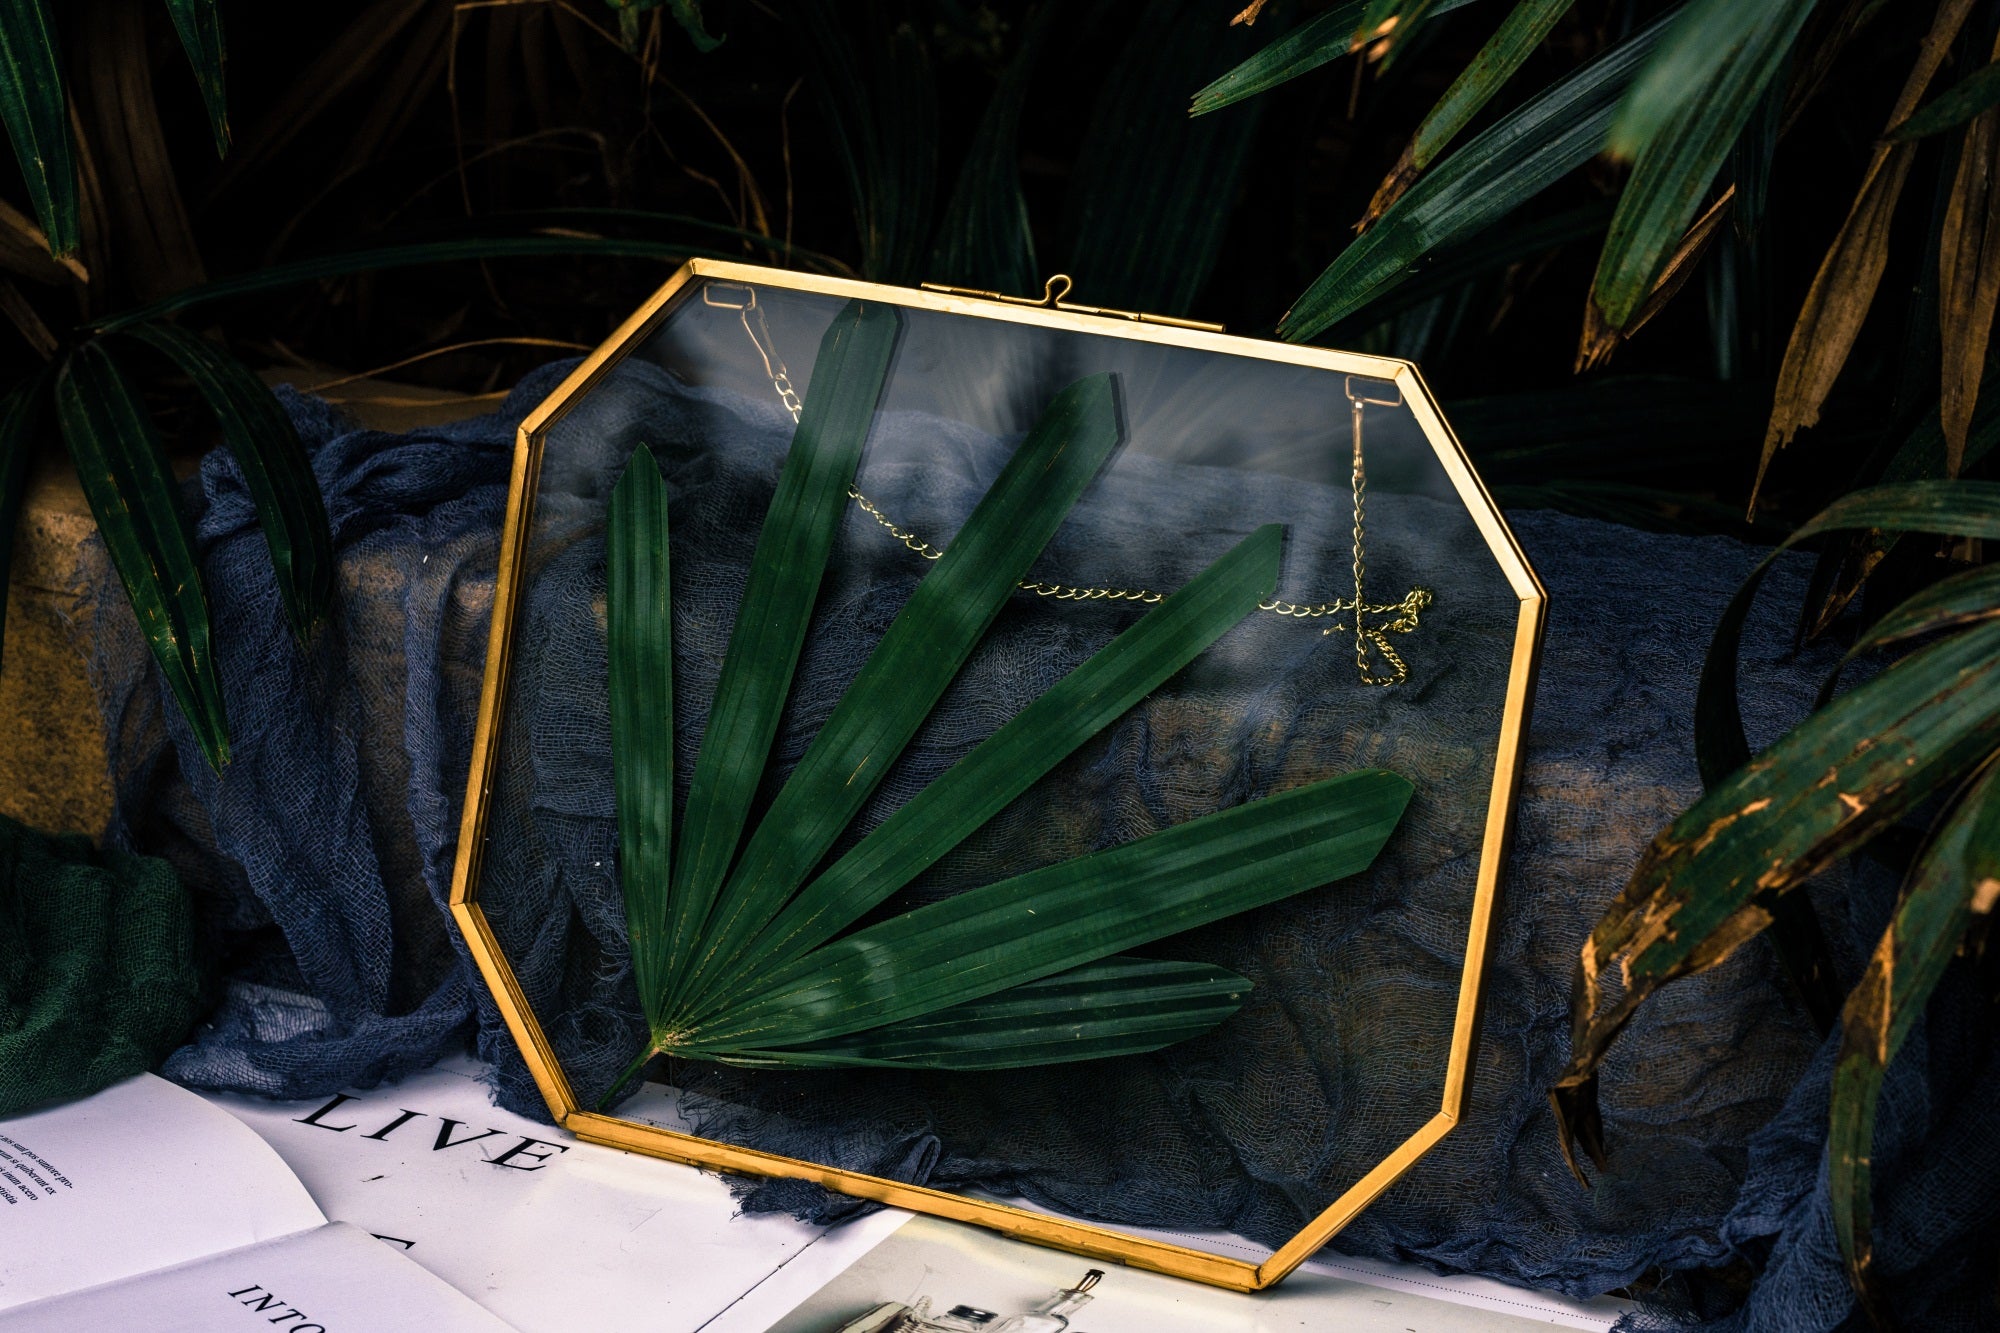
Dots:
(1339, 1054)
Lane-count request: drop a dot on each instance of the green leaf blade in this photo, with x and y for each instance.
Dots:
(1958, 878)
(1512, 161)
(1120, 1006)
(266, 447)
(132, 497)
(920, 653)
(35, 109)
(1047, 921)
(1954, 106)
(638, 614)
(199, 23)
(1680, 120)
(1301, 51)
(997, 770)
(1503, 55)
(790, 560)
(1955, 508)
(1950, 603)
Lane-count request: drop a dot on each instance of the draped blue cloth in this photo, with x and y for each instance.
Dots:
(323, 854)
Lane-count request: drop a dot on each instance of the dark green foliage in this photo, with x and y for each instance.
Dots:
(199, 23)
(100, 977)
(1153, 189)
(274, 465)
(131, 496)
(1952, 108)
(35, 110)
(1519, 157)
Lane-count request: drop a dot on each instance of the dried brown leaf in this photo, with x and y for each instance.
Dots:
(1400, 178)
(1969, 277)
(1600, 339)
(24, 251)
(1844, 288)
(150, 233)
(22, 316)
(1250, 13)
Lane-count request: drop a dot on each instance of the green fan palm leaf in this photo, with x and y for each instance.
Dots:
(638, 617)
(785, 572)
(1023, 971)
(922, 650)
(1035, 925)
(266, 447)
(1121, 1006)
(1013, 758)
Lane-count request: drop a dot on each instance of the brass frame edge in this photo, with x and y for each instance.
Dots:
(1076, 1237)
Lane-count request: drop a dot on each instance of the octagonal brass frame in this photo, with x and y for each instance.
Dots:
(1098, 1242)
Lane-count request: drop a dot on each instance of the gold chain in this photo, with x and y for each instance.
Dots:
(1406, 612)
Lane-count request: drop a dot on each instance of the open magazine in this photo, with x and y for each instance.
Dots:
(148, 1197)
(555, 1234)
(146, 1207)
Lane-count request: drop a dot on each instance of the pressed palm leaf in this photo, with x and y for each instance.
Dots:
(199, 23)
(1121, 1006)
(920, 653)
(1521, 155)
(1013, 758)
(1519, 34)
(785, 572)
(132, 497)
(36, 112)
(261, 438)
(1063, 916)
(1958, 879)
(17, 417)
(1680, 119)
(639, 644)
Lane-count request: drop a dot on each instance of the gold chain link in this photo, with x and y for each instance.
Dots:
(1406, 612)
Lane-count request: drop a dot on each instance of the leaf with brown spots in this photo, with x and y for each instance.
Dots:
(1713, 879)
(1957, 880)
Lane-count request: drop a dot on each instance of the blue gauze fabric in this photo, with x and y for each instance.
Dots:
(323, 854)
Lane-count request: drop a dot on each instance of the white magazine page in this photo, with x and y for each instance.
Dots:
(933, 1274)
(140, 1176)
(546, 1231)
(334, 1279)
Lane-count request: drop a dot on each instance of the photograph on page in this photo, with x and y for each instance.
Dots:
(939, 1277)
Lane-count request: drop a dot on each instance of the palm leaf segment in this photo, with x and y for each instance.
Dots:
(739, 948)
